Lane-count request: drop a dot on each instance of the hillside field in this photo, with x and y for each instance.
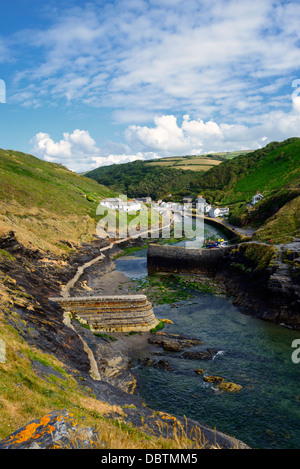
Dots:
(45, 203)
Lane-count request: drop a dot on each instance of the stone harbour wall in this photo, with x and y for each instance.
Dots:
(181, 259)
(123, 313)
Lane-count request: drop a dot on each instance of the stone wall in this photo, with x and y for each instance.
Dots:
(123, 313)
(180, 259)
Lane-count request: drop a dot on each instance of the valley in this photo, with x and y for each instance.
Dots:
(48, 221)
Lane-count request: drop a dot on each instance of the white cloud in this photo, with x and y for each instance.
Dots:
(78, 151)
(194, 136)
(225, 68)
(167, 137)
(197, 56)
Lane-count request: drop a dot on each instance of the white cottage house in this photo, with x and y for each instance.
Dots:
(214, 212)
(123, 206)
(256, 198)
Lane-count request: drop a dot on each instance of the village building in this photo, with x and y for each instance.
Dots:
(200, 200)
(123, 206)
(187, 200)
(144, 200)
(218, 212)
(214, 212)
(256, 198)
(223, 211)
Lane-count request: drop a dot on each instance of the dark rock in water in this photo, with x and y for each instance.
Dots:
(200, 371)
(173, 342)
(207, 354)
(146, 361)
(213, 379)
(163, 365)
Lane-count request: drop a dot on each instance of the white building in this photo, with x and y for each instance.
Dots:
(214, 212)
(202, 206)
(200, 200)
(123, 206)
(256, 198)
(218, 212)
(223, 211)
(145, 200)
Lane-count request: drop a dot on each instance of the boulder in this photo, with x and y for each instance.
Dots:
(213, 379)
(200, 371)
(230, 387)
(207, 354)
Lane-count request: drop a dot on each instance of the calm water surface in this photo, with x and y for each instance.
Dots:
(252, 353)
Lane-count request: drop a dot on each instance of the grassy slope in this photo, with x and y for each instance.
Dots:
(266, 170)
(139, 179)
(283, 226)
(157, 178)
(275, 172)
(45, 203)
(195, 162)
(25, 396)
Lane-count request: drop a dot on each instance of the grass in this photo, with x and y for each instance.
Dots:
(6, 254)
(26, 396)
(45, 203)
(283, 226)
(159, 327)
(195, 162)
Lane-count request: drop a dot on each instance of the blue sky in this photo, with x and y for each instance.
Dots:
(95, 83)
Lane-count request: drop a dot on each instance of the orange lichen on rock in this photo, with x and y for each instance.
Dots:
(44, 432)
(30, 430)
(24, 435)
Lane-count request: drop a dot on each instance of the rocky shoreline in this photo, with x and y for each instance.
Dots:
(41, 323)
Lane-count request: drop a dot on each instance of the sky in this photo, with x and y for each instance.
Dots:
(91, 83)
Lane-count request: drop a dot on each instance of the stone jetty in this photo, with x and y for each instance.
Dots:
(122, 313)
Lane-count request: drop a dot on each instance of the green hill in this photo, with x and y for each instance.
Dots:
(265, 170)
(138, 178)
(46, 204)
(273, 170)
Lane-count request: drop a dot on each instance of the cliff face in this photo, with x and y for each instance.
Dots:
(264, 280)
(28, 279)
